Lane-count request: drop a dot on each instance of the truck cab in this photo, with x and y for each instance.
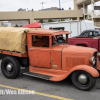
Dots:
(41, 48)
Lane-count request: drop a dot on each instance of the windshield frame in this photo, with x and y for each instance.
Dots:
(55, 43)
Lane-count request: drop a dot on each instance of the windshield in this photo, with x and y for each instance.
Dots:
(99, 32)
(59, 39)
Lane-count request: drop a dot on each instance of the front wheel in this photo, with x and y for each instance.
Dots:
(83, 80)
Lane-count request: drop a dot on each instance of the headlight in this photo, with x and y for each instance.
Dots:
(92, 60)
(98, 55)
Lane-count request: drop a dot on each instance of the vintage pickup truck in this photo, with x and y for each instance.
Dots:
(46, 58)
(88, 38)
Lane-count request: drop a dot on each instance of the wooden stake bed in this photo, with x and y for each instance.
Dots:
(14, 53)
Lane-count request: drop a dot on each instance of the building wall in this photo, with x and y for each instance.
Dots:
(35, 15)
(1, 23)
(7, 24)
(87, 2)
(19, 23)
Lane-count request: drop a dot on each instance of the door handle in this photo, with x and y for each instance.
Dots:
(30, 49)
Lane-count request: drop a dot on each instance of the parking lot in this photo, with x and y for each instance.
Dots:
(46, 90)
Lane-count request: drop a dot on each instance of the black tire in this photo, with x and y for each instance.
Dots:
(85, 87)
(15, 71)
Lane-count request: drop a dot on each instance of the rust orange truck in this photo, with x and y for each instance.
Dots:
(46, 58)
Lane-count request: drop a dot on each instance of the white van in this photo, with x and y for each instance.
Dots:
(74, 27)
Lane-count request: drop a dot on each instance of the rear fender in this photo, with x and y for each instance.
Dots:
(92, 71)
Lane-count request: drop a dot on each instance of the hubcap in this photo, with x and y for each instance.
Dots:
(9, 67)
(82, 79)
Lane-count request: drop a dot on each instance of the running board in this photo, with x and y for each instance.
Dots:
(47, 74)
(42, 76)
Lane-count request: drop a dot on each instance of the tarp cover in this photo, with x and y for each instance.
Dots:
(13, 39)
(33, 25)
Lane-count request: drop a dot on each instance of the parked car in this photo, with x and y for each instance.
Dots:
(88, 38)
(90, 33)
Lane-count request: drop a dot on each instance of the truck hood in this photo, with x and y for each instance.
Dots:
(74, 49)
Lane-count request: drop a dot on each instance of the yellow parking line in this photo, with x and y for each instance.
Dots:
(38, 93)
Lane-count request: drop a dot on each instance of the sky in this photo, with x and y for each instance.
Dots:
(14, 5)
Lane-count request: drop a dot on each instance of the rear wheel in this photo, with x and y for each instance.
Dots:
(10, 67)
(83, 80)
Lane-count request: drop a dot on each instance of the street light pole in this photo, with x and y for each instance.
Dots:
(92, 7)
(59, 3)
(42, 4)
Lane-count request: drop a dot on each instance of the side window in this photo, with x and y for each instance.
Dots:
(86, 34)
(95, 33)
(40, 41)
(91, 34)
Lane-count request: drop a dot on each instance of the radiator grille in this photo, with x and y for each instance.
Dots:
(95, 55)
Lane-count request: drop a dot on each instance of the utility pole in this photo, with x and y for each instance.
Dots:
(59, 4)
(92, 7)
(84, 10)
(42, 4)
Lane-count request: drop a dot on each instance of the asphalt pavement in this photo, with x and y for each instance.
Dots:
(46, 90)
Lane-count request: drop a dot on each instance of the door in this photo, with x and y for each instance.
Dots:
(39, 52)
(74, 29)
(40, 57)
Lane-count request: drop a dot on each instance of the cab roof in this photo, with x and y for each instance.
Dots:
(48, 32)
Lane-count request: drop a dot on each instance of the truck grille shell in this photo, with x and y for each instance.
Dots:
(95, 55)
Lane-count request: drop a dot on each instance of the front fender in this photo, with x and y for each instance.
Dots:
(65, 74)
(86, 68)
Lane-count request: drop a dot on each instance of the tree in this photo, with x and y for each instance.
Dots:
(16, 25)
(62, 19)
(41, 20)
(50, 20)
(20, 26)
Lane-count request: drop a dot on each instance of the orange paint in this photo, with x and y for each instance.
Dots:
(58, 61)
(14, 53)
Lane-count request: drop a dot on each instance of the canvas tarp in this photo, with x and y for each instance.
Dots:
(13, 39)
